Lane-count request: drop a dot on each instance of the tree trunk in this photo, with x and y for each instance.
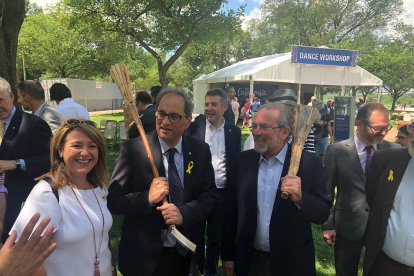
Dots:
(11, 18)
(394, 100)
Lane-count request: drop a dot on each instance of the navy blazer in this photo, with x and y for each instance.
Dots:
(291, 242)
(147, 121)
(381, 191)
(27, 137)
(232, 137)
(141, 244)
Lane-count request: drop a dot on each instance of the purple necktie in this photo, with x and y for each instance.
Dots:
(369, 150)
(176, 188)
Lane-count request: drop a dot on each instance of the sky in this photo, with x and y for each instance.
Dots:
(252, 7)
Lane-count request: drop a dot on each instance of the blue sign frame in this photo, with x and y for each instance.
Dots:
(324, 56)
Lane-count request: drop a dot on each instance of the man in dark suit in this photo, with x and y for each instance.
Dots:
(390, 196)
(264, 233)
(146, 110)
(24, 153)
(228, 114)
(224, 140)
(346, 163)
(147, 247)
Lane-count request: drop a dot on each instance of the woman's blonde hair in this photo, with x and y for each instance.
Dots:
(97, 177)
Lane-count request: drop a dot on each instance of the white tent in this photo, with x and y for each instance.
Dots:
(279, 69)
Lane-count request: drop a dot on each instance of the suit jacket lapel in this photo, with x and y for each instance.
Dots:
(398, 167)
(355, 162)
(201, 130)
(12, 130)
(156, 152)
(188, 156)
(285, 170)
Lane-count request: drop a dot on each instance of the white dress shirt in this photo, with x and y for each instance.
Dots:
(215, 139)
(71, 109)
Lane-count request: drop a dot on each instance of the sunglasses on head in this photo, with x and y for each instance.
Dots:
(77, 122)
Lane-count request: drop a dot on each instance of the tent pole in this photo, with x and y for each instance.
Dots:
(251, 95)
(300, 84)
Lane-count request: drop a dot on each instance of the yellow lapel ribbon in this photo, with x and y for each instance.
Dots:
(190, 167)
(391, 176)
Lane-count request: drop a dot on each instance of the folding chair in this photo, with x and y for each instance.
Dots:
(110, 132)
(122, 131)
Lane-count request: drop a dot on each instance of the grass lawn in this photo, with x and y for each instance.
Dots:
(324, 254)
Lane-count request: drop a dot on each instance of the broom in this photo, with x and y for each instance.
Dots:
(120, 75)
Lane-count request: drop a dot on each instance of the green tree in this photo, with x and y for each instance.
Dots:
(164, 28)
(316, 23)
(11, 18)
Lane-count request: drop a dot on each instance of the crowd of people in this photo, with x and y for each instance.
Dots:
(241, 207)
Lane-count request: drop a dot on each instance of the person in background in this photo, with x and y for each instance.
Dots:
(65, 104)
(25, 256)
(402, 136)
(346, 164)
(390, 196)
(24, 154)
(224, 140)
(32, 98)
(235, 106)
(229, 115)
(146, 110)
(155, 90)
(246, 112)
(147, 248)
(265, 234)
(73, 194)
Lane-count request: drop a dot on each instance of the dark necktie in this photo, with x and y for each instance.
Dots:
(176, 188)
(369, 151)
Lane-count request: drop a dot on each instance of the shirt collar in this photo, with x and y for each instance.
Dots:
(213, 127)
(281, 156)
(8, 119)
(37, 112)
(361, 145)
(165, 147)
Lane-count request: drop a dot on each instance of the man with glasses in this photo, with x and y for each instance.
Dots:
(224, 140)
(390, 195)
(264, 233)
(186, 180)
(24, 155)
(346, 164)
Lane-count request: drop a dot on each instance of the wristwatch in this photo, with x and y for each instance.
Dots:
(17, 163)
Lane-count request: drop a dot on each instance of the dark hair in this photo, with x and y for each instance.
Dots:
(364, 112)
(58, 172)
(229, 87)
(155, 90)
(143, 97)
(404, 129)
(188, 104)
(59, 91)
(32, 88)
(218, 92)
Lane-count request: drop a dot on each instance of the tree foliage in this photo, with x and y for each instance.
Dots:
(11, 18)
(159, 26)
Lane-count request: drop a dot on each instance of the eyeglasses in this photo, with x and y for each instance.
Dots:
(410, 128)
(76, 122)
(378, 129)
(173, 117)
(264, 127)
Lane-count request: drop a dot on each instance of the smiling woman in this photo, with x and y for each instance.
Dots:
(73, 194)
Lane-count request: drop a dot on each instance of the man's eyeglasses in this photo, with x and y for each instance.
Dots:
(410, 128)
(173, 117)
(76, 122)
(378, 129)
(264, 127)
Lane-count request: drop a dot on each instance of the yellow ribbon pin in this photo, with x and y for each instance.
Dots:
(190, 166)
(104, 197)
(391, 176)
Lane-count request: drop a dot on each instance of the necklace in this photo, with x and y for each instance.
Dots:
(96, 261)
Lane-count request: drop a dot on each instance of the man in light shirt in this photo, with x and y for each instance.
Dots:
(265, 234)
(224, 139)
(390, 195)
(65, 104)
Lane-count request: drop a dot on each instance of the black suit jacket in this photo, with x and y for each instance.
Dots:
(229, 115)
(291, 242)
(349, 215)
(27, 137)
(141, 244)
(381, 192)
(147, 120)
(232, 137)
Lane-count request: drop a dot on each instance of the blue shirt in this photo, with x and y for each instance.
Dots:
(268, 180)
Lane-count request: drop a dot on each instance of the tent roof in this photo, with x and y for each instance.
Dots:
(278, 68)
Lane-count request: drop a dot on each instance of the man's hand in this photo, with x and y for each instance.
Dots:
(7, 165)
(329, 236)
(26, 256)
(292, 185)
(228, 268)
(171, 214)
(158, 190)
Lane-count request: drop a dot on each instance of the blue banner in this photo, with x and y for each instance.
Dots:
(323, 56)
